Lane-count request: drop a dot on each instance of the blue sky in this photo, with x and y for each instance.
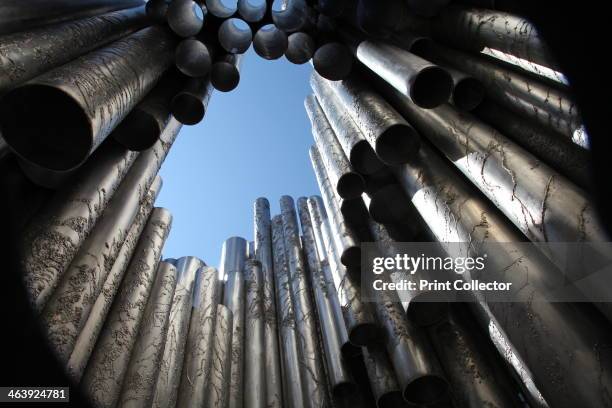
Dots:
(253, 142)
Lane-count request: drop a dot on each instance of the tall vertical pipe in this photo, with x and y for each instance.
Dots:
(217, 393)
(145, 360)
(382, 378)
(109, 361)
(270, 42)
(225, 73)
(233, 256)
(290, 16)
(189, 105)
(185, 17)
(254, 341)
(333, 61)
(192, 57)
(263, 253)
(300, 48)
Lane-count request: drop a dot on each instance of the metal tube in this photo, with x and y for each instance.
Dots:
(217, 393)
(185, 17)
(69, 306)
(157, 11)
(233, 256)
(27, 54)
(263, 253)
(468, 92)
(346, 182)
(145, 359)
(225, 74)
(314, 380)
(353, 142)
(333, 61)
(190, 104)
(382, 378)
(354, 211)
(169, 376)
(252, 11)
(270, 42)
(389, 205)
(86, 340)
(293, 389)
(300, 48)
(199, 344)
(254, 349)
(44, 177)
(17, 15)
(192, 58)
(378, 18)
(391, 137)
(290, 16)
(108, 364)
(235, 36)
(73, 116)
(222, 8)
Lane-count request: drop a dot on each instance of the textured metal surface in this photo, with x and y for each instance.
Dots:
(109, 361)
(145, 360)
(190, 104)
(300, 48)
(333, 61)
(86, 340)
(185, 17)
(270, 42)
(217, 393)
(168, 380)
(347, 183)
(199, 345)
(382, 378)
(193, 58)
(225, 74)
(254, 337)
(235, 36)
(79, 104)
(25, 55)
(263, 253)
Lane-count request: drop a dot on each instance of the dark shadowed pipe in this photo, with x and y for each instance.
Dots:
(86, 340)
(300, 49)
(225, 74)
(52, 46)
(468, 92)
(331, 8)
(353, 142)
(45, 177)
(169, 376)
(347, 183)
(217, 393)
(185, 17)
(73, 116)
(333, 61)
(382, 378)
(408, 40)
(390, 205)
(193, 58)
(427, 8)
(199, 345)
(235, 36)
(391, 137)
(17, 15)
(354, 211)
(378, 18)
(254, 337)
(145, 359)
(190, 104)
(263, 253)
(157, 11)
(270, 42)
(252, 11)
(293, 390)
(222, 8)
(109, 361)
(290, 15)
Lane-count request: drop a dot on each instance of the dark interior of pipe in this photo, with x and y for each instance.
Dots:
(300, 48)
(468, 94)
(333, 61)
(193, 58)
(354, 210)
(397, 144)
(426, 312)
(188, 108)
(224, 76)
(364, 334)
(432, 87)
(350, 185)
(425, 389)
(138, 131)
(33, 121)
(252, 10)
(351, 257)
(185, 17)
(392, 399)
(345, 394)
(270, 42)
(364, 159)
(235, 36)
(289, 15)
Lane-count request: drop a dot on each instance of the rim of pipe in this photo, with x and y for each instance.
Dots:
(432, 87)
(235, 36)
(252, 11)
(222, 8)
(270, 42)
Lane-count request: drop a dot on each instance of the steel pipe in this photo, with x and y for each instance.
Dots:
(233, 256)
(254, 347)
(290, 15)
(192, 58)
(86, 340)
(109, 361)
(378, 18)
(225, 74)
(27, 54)
(294, 394)
(44, 177)
(168, 380)
(353, 142)
(185, 17)
(383, 381)
(468, 92)
(346, 182)
(217, 393)
(235, 36)
(190, 104)
(270, 42)
(73, 116)
(199, 343)
(145, 359)
(263, 253)
(354, 211)
(157, 11)
(333, 61)
(389, 205)
(300, 48)
(252, 11)
(222, 8)
(17, 15)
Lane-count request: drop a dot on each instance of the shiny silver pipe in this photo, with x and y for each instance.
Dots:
(45, 177)
(252, 11)
(199, 344)
(235, 36)
(391, 137)
(17, 15)
(72, 116)
(431, 183)
(294, 395)
(468, 92)
(168, 379)
(343, 388)
(233, 256)
(381, 376)
(145, 359)
(346, 182)
(225, 74)
(190, 104)
(290, 15)
(109, 361)
(69, 306)
(157, 11)
(222, 8)
(251, 250)
(254, 337)
(353, 142)
(300, 48)
(270, 42)
(52, 46)
(333, 61)
(427, 8)
(193, 58)
(314, 379)
(185, 17)
(263, 253)
(217, 393)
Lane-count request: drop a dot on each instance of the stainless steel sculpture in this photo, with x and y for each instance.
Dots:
(235, 36)
(217, 393)
(225, 73)
(190, 104)
(333, 61)
(300, 48)
(290, 15)
(252, 10)
(382, 378)
(254, 336)
(157, 10)
(193, 58)
(185, 17)
(222, 8)
(270, 42)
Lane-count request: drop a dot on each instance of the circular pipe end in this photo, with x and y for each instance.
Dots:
(398, 144)
(364, 334)
(426, 389)
(185, 17)
(391, 399)
(222, 8)
(138, 131)
(350, 185)
(426, 312)
(252, 10)
(300, 48)
(270, 43)
(235, 36)
(224, 76)
(364, 159)
(333, 61)
(432, 87)
(351, 257)
(193, 58)
(187, 108)
(468, 94)
(345, 394)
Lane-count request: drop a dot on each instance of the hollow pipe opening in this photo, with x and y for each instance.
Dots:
(468, 94)
(289, 15)
(222, 8)
(252, 10)
(224, 76)
(351, 257)
(300, 48)
(193, 58)
(364, 334)
(344, 394)
(364, 160)
(397, 144)
(185, 17)
(425, 389)
(270, 43)
(432, 87)
(188, 108)
(235, 36)
(350, 185)
(333, 61)
(425, 311)
(391, 399)
(138, 131)
(353, 210)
